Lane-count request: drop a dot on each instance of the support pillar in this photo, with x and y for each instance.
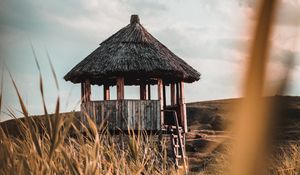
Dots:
(172, 91)
(160, 98)
(182, 107)
(143, 91)
(85, 91)
(120, 88)
(106, 93)
(164, 96)
(149, 91)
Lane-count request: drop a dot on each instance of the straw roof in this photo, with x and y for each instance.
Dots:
(136, 55)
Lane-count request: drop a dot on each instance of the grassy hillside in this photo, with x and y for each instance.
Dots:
(207, 122)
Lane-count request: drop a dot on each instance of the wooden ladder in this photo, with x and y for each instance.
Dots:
(177, 138)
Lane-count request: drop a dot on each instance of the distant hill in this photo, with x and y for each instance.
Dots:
(209, 115)
(214, 115)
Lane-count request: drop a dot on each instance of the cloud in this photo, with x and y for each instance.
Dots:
(288, 13)
(211, 35)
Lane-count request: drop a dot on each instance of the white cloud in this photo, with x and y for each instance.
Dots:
(211, 35)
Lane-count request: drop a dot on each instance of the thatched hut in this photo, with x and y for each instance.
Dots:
(132, 56)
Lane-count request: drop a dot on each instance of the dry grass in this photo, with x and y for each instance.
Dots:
(91, 153)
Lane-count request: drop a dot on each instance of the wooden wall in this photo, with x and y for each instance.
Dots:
(121, 114)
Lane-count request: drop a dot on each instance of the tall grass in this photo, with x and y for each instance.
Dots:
(90, 153)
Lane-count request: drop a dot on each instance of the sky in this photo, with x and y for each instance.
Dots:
(210, 35)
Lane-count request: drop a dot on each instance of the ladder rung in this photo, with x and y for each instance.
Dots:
(180, 157)
(174, 129)
(176, 136)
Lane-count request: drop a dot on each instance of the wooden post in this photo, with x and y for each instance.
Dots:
(106, 93)
(177, 93)
(82, 93)
(160, 98)
(85, 91)
(143, 91)
(164, 96)
(182, 107)
(149, 91)
(173, 97)
(120, 88)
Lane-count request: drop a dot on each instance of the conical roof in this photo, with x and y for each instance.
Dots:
(135, 54)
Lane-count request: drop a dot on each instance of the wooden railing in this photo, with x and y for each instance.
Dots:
(125, 114)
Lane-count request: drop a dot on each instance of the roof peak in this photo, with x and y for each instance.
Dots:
(134, 19)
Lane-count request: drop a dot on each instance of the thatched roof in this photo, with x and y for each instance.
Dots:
(134, 53)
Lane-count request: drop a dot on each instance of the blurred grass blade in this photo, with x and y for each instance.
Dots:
(253, 115)
(56, 123)
(53, 70)
(29, 122)
(41, 79)
(24, 110)
(48, 122)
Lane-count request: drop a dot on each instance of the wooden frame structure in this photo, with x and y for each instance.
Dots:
(176, 98)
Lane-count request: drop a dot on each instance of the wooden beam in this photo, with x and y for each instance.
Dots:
(160, 98)
(173, 97)
(106, 93)
(182, 107)
(86, 91)
(82, 93)
(143, 91)
(177, 93)
(120, 88)
(164, 96)
(149, 91)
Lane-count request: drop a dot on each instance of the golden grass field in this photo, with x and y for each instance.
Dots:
(207, 146)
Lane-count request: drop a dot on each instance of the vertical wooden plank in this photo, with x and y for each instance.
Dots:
(133, 115)
(125, 114)
(160, 98)
(106, 93)
(149, 116)
(138, 114)
(154, 114)
(142, 114)
(129, 114)
(160, 115)
(117, 116)
(102, 112)
(173, 98)
(109, 114)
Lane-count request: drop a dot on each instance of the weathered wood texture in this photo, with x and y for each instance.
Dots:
(120, 88)
(125, 114)
(86, 91)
